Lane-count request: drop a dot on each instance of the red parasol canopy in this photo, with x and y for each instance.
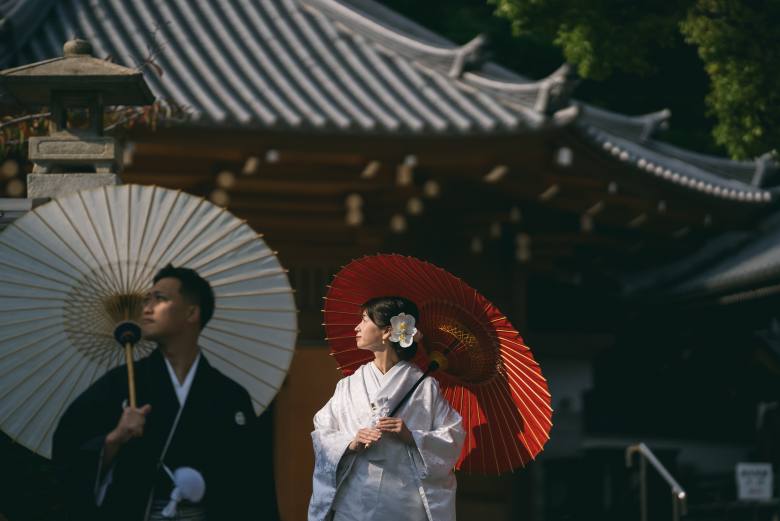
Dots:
(491, 377)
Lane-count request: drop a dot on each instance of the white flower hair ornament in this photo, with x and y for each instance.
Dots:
(402, 329)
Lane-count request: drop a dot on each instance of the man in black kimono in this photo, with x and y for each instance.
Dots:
(113, 458)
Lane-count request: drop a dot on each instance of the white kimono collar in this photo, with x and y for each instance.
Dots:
(381, 376)
(182, 389)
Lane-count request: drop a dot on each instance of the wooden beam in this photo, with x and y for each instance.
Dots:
(254, 142)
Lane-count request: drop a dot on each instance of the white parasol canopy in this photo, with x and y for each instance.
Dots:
(70, 270)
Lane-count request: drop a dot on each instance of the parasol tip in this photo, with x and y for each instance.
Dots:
(127, 332)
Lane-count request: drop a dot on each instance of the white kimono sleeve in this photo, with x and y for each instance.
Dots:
(330, 444)
(439, 448)
(101, 485)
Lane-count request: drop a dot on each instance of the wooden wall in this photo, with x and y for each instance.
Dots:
(310, 383)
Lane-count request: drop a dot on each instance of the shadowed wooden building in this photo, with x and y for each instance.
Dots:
(339, 128)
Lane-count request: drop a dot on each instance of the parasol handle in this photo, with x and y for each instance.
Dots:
(128, 333)
(130, 374)
(431, 368)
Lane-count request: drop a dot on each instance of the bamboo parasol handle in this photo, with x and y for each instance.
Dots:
(127, 334)
(130, 373)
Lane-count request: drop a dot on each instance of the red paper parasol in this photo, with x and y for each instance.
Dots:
(490, 378)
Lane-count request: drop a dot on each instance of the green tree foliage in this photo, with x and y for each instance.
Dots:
(678, 82)
(737, 41)
(599, 37)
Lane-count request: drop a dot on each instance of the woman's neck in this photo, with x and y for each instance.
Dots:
(385, 360)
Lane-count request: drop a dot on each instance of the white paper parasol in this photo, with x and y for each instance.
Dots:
(70, 270)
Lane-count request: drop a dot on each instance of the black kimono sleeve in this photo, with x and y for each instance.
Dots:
(78, 445)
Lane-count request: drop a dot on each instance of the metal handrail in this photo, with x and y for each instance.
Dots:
(679, 497)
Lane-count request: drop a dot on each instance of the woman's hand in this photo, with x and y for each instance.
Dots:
(364, 438)
(397, 427)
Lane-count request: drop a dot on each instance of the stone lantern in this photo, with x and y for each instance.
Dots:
(76, 88)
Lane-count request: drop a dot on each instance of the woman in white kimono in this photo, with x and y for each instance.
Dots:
(369, 466)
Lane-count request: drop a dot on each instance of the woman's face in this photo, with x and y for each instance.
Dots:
(367, 334)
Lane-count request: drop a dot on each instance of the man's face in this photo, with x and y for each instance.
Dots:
(166, 313)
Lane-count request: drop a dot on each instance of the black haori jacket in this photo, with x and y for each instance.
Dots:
(216, 435)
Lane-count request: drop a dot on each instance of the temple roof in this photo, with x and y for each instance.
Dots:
(284, 64)
(353, 67)
(732, 267)
(754, 271)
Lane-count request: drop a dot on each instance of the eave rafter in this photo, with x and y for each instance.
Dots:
(303, 193)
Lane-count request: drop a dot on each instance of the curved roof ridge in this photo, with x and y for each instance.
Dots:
(640, 128)
(722, 164)
(517, 86)
(545, 95)
(676, 170)
(403, 29)
(375, 9)
(360, 21)
(644, 124)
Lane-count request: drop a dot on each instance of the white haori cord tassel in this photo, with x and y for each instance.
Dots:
(188, 484)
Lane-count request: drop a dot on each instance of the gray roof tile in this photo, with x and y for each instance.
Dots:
(755, 265)
(315, 64)
(353, 66)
